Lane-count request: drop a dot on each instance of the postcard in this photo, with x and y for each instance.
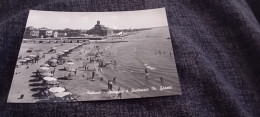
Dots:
(90, 56)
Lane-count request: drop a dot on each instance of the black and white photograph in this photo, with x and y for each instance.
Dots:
(90, 56)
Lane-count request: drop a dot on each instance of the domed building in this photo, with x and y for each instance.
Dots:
(100, 30)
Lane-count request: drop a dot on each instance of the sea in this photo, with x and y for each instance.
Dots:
(148, 49)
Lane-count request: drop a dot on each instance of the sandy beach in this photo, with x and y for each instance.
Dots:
(125, 65)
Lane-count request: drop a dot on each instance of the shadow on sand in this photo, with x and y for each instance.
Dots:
(63, 69)
(63, 78)
(35, 80)
(36, 84)
(39, 95)
(37, 89)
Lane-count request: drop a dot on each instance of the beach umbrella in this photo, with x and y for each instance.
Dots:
(70, 63)
(45, 65)
(53, 60)
(22, 61)
(54, 48)
(27, 59)
(56, 89)
(60, 53)
(42, 71)
(91, 54)
(44, 68)
(47, 74)
(40, 53)
(18, 64)
(62, 94)
(32, 55)
(72, 70)
(49, 79)
(69, 60)
(52, 82)
(65, 50)
(54, 57)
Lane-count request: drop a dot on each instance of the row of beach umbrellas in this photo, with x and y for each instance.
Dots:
(48, 77)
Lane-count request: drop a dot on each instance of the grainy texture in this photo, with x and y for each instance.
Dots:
(217, 51)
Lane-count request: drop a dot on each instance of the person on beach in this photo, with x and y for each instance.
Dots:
(37, 73)
(120, 93)
(99, 69)
(93, 74)
(54, 70)
(115, 62)
(75, 72)
(101, 79)
(69, 76)
(170, 54)
(37, 58)
(161, 78)
(114, 79)
(160, 52)
(110, 85)
(145, 71)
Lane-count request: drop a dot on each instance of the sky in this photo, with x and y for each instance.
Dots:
(87, 20)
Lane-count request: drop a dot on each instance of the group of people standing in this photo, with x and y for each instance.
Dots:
(162, 52)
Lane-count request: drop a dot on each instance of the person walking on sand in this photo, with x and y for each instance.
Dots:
(75, 72)
(93, 74)
(120, 93)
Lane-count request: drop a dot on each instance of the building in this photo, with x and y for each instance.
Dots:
(72, 32)
(30, 32)
(55, 34)
(100, 30)
(34, 33)
(49, 33)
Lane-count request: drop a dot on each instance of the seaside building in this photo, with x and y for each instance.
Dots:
(73, 33)
(49, 33)
(100, 30)
(44, 32)
(55, 34)
(30, 32)
(34, 33)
